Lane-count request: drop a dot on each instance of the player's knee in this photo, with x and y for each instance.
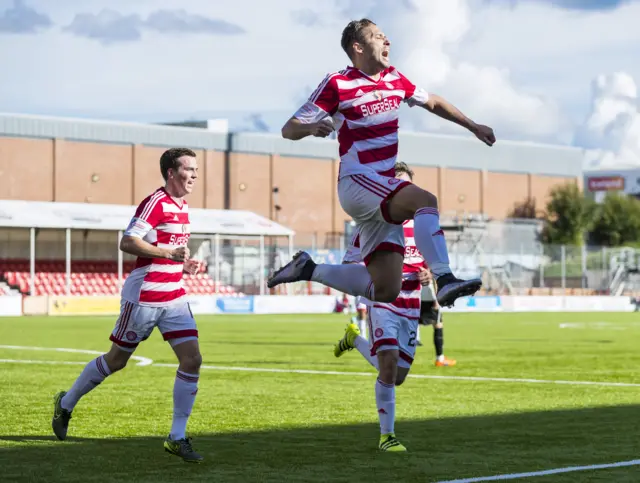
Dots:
(191, 362)
(388, 366)
(428, 200)
(116, 362)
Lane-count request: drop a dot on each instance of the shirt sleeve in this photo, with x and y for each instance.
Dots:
(145, 219)
(322, 103)
(413, 96)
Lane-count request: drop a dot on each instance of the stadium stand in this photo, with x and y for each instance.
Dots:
(90, 277)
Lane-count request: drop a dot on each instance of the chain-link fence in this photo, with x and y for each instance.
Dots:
(508, 255)
(511, 259)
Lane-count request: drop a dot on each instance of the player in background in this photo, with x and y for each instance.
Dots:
(431, 314)
(352, 255)
(153, 296)
(361, 104)
(393, 330)
(360, 318)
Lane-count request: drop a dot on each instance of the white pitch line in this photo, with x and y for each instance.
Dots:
(555, 471)
(142, 361)
(28, 361)
(414, 376)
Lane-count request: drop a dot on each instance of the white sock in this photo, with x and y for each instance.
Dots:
(430, 240)
(93, 374)
(351, 278)
(386, 403)
(184, 395)
(440, 358)
(362, 325)
(363, 347)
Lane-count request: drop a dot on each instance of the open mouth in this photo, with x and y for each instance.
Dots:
(385, 54)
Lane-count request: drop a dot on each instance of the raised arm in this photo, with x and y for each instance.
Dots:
(312, 119)
(444, 109)
(294, 129)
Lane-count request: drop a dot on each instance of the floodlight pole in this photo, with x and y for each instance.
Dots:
(261, 277)
(32, 261)
(216, 262)
(119, 261)
(68, 259)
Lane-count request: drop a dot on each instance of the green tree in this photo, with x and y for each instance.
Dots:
(617, 221)
(568, 216)
(524, 209)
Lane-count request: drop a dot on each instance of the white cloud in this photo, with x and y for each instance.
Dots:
(491, 60)
(423, 34)
(613, 127)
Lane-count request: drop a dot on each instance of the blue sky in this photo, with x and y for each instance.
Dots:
(527, 67)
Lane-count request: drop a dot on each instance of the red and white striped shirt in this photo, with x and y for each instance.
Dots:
(365, 116)
(408, 302)
(162, 222)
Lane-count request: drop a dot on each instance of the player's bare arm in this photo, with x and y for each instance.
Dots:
(294, 129)
(444, 109)
(140, 248)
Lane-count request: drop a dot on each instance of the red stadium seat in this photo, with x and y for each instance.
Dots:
(91, 277)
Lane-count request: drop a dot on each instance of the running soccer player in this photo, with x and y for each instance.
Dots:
(153, 296)
(393, 329)
(362, 102)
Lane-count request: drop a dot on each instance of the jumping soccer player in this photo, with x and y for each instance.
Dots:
(362, 102)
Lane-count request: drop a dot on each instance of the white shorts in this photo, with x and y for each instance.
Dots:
(428, 293)
(365, 198)
(136, 322)
(388, 330)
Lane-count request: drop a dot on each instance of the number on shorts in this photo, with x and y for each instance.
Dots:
(412, 339)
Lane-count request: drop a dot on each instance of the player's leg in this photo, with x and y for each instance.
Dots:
(385, 390)
(382, 247)
(438, 342)
(431, 314)
(407, 342)
(377, 281)
(178, 327)
(98, 369)
(353, 339)
(414, 202)
(384, 330)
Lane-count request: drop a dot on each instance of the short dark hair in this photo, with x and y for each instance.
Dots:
(169, 159)
(404, 168)
(353, 32)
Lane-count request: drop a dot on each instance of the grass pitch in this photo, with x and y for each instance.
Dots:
(514, 402)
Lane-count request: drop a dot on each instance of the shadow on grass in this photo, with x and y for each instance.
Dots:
(439, 449)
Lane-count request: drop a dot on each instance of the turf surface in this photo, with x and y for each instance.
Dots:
(286, 426)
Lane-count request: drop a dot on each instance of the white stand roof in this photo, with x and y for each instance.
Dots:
(89, 216)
